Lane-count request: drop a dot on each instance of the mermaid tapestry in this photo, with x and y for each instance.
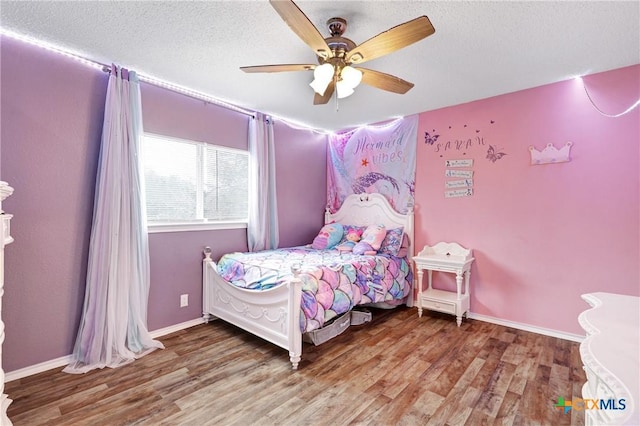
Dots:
(374, 159)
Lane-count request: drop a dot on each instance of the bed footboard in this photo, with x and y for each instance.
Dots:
(273, 315)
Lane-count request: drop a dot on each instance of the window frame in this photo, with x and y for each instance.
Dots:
(198, 224)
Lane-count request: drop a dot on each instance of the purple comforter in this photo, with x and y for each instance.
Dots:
(332, 283)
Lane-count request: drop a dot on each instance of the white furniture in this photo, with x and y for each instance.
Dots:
(274, 314)
(5, 238)
(444, 257)
(611, 357)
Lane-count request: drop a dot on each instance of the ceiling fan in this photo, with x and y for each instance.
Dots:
(337, 55)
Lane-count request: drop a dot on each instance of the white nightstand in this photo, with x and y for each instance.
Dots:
(444, 257)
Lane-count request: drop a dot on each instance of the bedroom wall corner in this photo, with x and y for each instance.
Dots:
(301, 183)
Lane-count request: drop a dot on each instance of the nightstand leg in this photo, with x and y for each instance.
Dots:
(467, 277)
(458, 289)
(420, 275)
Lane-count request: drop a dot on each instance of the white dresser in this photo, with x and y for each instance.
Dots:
(611, 357)
(5, 238)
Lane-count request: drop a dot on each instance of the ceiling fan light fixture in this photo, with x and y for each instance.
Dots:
(323, 74)
(349, 79)
(319, 86)
(343, 90)
(351, 76)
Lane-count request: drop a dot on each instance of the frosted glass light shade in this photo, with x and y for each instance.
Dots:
(343, 90)
(351, 76)
(319, 86)
(323, 74)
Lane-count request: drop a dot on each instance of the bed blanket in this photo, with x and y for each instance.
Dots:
(332, 283)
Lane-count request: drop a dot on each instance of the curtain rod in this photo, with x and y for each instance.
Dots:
(194, 94)
(106, 68)
(182, 90)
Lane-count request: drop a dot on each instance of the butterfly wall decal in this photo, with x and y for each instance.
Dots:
(493, 155)
(430, 139)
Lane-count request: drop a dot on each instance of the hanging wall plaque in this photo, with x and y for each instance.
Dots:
(458, 193)
(458, 163)
(467, 174)
(550, 154)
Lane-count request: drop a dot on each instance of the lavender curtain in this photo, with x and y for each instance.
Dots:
(113, 329)
(262, 229)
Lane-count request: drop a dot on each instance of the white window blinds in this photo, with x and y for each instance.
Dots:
(194, 182)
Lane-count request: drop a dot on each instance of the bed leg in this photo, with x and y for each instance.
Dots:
(295, 359)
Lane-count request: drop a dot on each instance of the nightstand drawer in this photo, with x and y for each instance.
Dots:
(439, 305)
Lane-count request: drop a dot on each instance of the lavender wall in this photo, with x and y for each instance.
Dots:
(52, 109)
(542, 235)
(298, 189)
(176, 256)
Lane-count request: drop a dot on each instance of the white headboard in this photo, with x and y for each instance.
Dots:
(370, 209)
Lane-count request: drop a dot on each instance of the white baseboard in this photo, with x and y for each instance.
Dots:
(38, 368)
(526, 327)
(173, 328)
(63, 361)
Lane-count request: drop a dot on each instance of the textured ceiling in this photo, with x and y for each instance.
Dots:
(480, 49)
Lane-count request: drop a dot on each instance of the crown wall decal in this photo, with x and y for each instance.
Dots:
(551, 154)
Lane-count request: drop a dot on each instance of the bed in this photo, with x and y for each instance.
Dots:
(279, 309)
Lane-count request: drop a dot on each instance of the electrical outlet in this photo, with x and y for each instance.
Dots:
(184, 300)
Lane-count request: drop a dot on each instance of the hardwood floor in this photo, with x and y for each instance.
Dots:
(398, 369)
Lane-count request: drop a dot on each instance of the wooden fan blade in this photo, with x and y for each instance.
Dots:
(323, 99)
(383, 81)
(279, 68)
(302, 26)
(391, 40)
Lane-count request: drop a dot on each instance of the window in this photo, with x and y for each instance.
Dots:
(193, 185)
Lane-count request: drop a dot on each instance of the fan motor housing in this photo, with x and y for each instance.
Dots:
(339, 45)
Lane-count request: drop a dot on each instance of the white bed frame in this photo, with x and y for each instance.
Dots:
(274, 314)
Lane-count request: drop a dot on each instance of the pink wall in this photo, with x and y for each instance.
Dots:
(542, 235)
(52, 111)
